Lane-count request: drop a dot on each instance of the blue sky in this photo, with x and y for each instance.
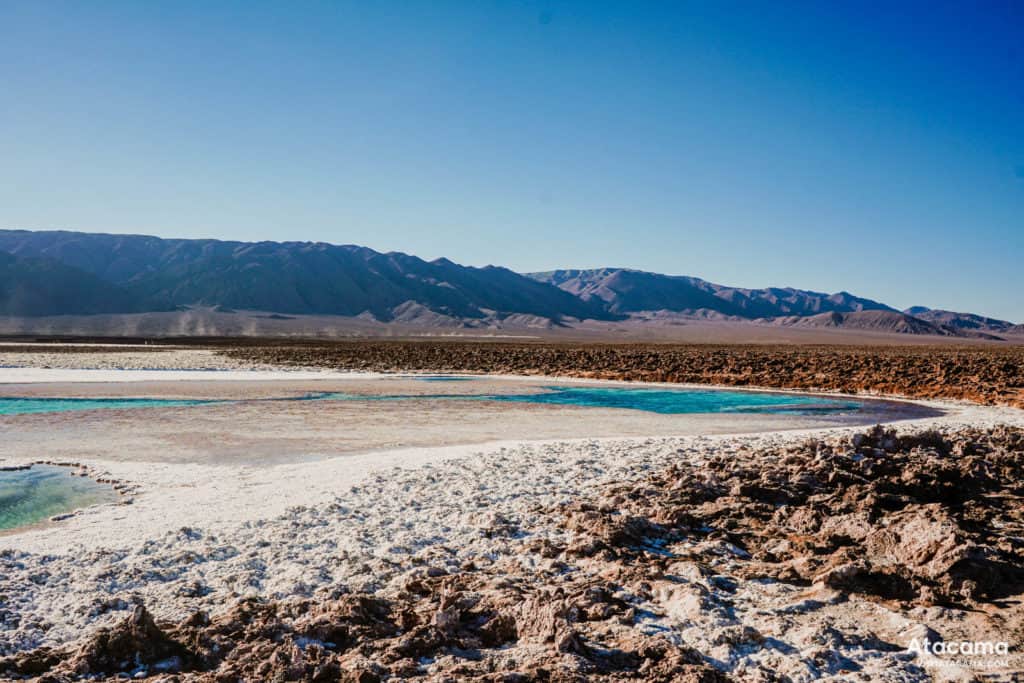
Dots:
(877, 148)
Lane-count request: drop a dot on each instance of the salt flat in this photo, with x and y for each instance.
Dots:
(261, 451)
(277, 498)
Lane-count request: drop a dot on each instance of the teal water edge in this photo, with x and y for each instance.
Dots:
(681, 401)
(42, 491)
(443, 378)
(23, 406)
(662, 401)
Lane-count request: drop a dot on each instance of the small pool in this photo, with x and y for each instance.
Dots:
(662, 401)
(24, 406)
(38, 493)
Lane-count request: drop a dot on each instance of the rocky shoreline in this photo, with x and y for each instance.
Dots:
(768, 559)
(990, 375)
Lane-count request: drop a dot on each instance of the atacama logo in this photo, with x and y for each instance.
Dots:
(968, 654)
(980, 648)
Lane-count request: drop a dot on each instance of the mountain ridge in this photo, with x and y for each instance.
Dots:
(627, 290)
(296, 277)
(144, 273)
(963, 321)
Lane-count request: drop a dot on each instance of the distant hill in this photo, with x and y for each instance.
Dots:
(32, 287)
(633, 291)
(296, 277)
(876, 321)
(964, 321)
(884, 321)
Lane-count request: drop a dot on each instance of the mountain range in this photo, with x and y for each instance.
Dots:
(630, 291)
(284, 277)
(48, 273)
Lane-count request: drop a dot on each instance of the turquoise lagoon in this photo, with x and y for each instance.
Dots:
(663, 401)
(36, 494)
(654, 400)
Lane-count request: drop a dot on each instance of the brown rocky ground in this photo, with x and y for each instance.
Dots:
(922, 520)
(990, 374)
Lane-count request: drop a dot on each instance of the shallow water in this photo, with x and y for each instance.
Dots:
(23, 406)
(443, 378)
(42, 491)
(653, 400)
(681, 401)
(662, 401)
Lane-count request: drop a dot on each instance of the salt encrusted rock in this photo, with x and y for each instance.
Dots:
(135, 642)
(736, 563)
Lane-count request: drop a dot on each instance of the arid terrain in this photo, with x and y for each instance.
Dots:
(818, 559)
(800, 551)
(989, 374)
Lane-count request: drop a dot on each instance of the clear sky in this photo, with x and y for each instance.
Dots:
(873, 148)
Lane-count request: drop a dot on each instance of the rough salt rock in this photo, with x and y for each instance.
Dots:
(925, 540)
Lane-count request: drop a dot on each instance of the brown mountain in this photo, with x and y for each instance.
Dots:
(964, 321)
(633, 291)
(880, 321)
